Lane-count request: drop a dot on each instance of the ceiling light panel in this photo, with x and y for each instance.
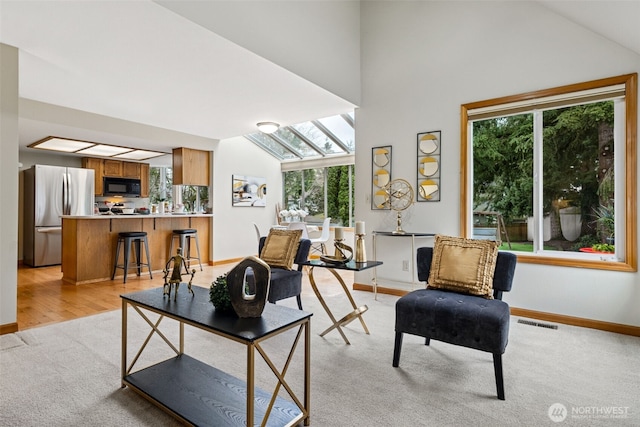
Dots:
(61, 144)
(140, 155)
(86, 148)
(104, 150)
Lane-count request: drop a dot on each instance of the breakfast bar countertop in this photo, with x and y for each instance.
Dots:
(135, 215)
(89, 243)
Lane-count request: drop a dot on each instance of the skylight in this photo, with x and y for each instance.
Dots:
(330, 136)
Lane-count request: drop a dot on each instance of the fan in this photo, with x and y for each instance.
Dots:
(400, 198)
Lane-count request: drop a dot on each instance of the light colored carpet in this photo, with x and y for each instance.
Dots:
(68, 374)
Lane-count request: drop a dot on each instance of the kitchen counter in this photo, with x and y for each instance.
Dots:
(125, 216)
(89, 242)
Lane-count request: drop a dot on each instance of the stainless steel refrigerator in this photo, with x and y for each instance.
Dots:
(49, 192)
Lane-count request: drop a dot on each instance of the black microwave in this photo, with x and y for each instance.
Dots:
(124, 187)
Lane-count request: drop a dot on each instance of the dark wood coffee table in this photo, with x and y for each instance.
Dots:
(199, 394)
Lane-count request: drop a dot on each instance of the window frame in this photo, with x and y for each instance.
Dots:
(630, 82)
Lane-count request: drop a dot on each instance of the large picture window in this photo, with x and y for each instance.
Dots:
(552, 174)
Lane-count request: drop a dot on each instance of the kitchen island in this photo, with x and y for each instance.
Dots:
(89, 242)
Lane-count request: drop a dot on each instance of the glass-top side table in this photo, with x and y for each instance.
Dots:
(357, 311)
(413, 236)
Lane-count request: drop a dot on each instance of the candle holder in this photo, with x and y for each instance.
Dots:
(361, 255)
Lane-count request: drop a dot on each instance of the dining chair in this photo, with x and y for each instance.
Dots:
(324, 237)
(300, 226)
(258, 234)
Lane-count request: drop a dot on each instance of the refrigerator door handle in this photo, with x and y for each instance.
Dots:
(49, 230)
(65, 194)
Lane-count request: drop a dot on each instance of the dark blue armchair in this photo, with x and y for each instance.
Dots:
(460, 319)
(287, 283)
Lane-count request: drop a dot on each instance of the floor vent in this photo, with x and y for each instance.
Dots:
(541, 325)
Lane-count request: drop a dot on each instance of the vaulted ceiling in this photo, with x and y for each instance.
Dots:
(149, 63)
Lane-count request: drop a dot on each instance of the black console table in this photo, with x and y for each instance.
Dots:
(202, 395)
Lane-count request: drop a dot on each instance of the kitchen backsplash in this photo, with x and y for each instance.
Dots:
(135, 203)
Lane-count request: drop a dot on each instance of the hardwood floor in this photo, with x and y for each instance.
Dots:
(44, 299)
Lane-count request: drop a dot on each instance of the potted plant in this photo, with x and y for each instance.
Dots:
(219, 295)
(605, 221)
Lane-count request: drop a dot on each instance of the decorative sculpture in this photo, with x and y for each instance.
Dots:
(343, 254)
(176, 274)
(244, 304)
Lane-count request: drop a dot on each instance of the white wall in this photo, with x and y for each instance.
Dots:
(420, 62)
(317, 40)
(234, 234)
(8, 182)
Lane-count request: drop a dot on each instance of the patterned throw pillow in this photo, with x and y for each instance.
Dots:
(463, 265)
(280, 248)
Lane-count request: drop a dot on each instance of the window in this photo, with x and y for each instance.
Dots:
(321, 192)
(161, 189)
(160, 184)
(553, 174)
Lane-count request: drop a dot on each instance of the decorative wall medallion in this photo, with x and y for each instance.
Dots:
(245, 304)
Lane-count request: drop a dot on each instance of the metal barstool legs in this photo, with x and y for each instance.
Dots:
(127, 238)
(185, 236)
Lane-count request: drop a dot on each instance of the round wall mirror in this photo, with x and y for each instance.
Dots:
(428, 188)
(381, 178)
(381, 157)
(428, 143)
(381, 199)
(428, 166)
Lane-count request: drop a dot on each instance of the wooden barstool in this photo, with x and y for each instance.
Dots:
(185, 236)
(127, 239)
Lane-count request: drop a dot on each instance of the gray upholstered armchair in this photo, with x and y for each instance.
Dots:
(466, 320)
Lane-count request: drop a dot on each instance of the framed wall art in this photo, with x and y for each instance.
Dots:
(380, 176)
(429, 151)
(249, 191)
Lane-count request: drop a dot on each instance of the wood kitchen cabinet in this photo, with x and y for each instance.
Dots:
(113, 168)
(130, 170)
(98, 167)
(191, 167)
(144, 179)
(106, 167)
